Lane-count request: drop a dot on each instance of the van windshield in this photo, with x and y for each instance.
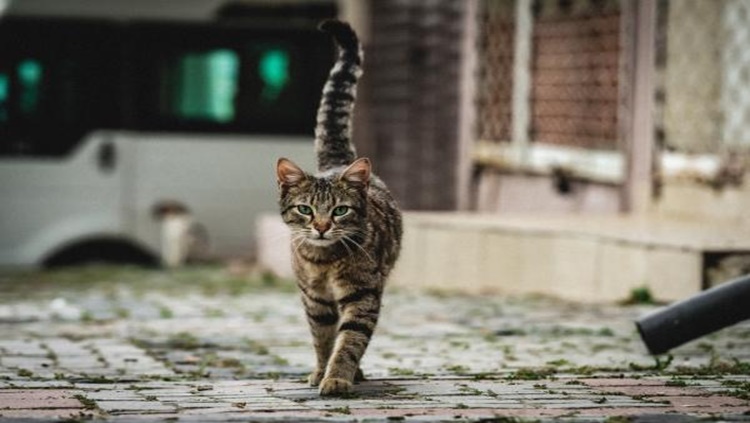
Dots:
(61, 79)
(221, 79)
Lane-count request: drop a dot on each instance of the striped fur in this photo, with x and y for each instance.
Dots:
(346, 231)
(333, 130)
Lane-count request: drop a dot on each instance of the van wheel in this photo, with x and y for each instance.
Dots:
(109, 251)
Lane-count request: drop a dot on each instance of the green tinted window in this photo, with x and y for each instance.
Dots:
(30, 81)
(4, 97)
(59, 80)
(206, 86)
(230, 79)
(273, 68)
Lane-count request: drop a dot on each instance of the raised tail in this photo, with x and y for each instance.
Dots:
(333, 145)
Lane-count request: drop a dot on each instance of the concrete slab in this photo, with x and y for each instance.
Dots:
(579, 258)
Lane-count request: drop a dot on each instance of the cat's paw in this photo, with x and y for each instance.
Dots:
(315, 377)
(332, 386)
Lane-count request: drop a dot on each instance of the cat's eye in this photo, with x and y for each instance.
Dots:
(340, 210)
(306, 210)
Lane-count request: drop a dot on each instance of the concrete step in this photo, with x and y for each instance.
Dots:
(579, 258)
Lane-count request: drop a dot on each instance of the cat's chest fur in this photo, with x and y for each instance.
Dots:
(329, 281)
(316, 265)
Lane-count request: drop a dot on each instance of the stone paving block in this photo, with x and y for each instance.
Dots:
(125, 406)
(17, 347)
(172, 398)
(79, 362)
(582, 403)
(430, 414)
(25, 362)
(703, 403)
(120, 351)
(485, 401)
(622, 381)
(246, 397)
(271, 406)
(40, 384)
(95, 386)
(184, 405)
(162, 384)
(505, 388)
(38, 399)
(434, 388)
(240, 390)
(235, 414)
(223, 412)
(64, 347)
(47, 413)
(653, 390)
(113, 395)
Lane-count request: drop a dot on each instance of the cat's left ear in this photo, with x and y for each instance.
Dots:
(288, 173)
(358, 173)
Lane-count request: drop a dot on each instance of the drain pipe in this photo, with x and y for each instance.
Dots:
(709, 311)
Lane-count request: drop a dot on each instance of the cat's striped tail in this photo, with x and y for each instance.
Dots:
(333, 146)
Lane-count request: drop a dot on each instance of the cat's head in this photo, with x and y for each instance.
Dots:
(324, 209)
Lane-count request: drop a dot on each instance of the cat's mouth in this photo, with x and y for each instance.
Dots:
(320, 242)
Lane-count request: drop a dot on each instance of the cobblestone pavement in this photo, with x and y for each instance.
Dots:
(210, 344)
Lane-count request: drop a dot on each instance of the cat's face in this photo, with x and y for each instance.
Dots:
(327, 209)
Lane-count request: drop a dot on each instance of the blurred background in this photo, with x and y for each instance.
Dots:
(578, 139)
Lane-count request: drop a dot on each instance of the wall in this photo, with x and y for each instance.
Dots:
(515, 193)
(412, 91)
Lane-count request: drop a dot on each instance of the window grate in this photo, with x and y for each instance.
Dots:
(573, 72)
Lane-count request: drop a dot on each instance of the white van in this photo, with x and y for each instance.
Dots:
(110, 109)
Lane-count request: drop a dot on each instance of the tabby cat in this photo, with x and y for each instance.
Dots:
(346, 229)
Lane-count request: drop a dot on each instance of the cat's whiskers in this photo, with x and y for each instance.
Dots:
(296, 247)
(343, 242)
(350, 239)
(358, 232)
(298, 239)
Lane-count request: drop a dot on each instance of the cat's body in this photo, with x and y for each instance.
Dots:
(346, 229)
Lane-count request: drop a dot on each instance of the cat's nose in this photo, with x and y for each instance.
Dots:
(322, 226)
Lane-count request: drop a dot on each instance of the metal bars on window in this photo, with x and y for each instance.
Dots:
(573, 72)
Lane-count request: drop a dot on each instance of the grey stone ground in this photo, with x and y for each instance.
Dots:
(211, 344)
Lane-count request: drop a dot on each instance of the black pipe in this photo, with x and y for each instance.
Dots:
(709, 311)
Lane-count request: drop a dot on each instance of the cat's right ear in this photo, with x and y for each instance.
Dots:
(288, 174)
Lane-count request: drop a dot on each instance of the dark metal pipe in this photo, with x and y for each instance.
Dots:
(709, 311)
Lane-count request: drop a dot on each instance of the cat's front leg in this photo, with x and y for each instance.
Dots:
(323, 318)
(323, 339)
(359, 311)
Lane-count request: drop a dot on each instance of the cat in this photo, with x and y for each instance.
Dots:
(346, 229)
